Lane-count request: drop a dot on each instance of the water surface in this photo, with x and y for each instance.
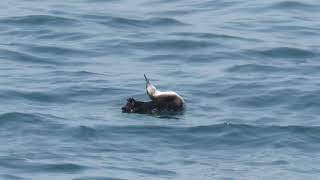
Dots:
(249, 71)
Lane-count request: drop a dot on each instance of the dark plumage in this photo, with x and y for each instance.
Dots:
(134, 106)
(149, 107)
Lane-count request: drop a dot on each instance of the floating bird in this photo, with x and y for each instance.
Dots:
(161, 102)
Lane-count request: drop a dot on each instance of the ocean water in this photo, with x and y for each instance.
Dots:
(248, 70)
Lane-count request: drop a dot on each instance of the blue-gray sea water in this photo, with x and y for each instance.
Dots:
(248, 70)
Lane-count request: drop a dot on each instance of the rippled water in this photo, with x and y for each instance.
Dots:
(249, 71)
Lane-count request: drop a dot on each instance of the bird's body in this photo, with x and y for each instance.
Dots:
(166, 98)
(161, 102)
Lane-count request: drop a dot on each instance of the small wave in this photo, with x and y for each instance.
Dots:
(74, 91)
(153, 22)
(218, 4)
(307, 101)
(286, 52)
(27, 120)
(292, 5)
(151, 171)
(240, 89)
(247, 68)
(280, 162)
(47, 97)
(17, 124)
(175, 12)
(61, 167)
(172, 44)
(97, 177)
(204, 58)
(163, 57)
(252, 98)
(25, 57)
(177, 59)
(44, 167)
(74, 73)
(164, 22)
(129, 22)
(63, 95)
(12, 177)
(13, 117)
(25, 32)
(84, 132)
(25, 117)
(35, 20)
(258, 101)
(206, 36)
(65, 36)
(101, 1)
(57, 51)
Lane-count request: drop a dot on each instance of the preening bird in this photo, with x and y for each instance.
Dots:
(168, 99)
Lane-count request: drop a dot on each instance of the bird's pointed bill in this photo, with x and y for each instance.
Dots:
(147, 80)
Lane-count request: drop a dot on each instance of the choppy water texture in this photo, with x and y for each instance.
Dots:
(249, 71)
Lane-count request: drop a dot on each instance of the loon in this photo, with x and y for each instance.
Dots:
(161, 102)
